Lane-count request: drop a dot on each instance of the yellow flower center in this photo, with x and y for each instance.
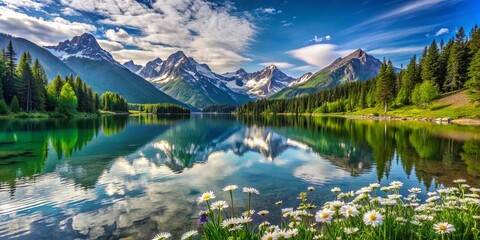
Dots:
(206, 196)
(324, 215)
(270, 238)
(349, 211)
(373, 217)
(442, 227)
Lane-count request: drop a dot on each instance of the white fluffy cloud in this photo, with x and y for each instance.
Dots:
(39, 30)
(441, 31)
(321, 39)
(320, 55)
(15, 4)
(210, 34)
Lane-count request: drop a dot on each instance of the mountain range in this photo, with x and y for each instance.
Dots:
(357, 66)
(182, 80)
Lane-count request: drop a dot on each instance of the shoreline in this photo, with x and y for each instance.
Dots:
(444, 120)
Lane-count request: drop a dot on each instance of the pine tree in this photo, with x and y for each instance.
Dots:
(40, 79)
(15, 105)
(473, 82)
(79, 92)
(67, 101)
(385, 84)
(474, 41)
(431, 65)
(25, 83)
(9, 88)
(457, 63)
(96, 100)
(409, 80)
(3, 73)
(443, 60)
(53, 92)
(4, 109)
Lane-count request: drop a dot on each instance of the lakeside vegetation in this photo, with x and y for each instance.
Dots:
(443, 68)
(159, 108)
(372, 212)
(26, 93)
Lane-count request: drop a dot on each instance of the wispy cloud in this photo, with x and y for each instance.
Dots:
(281, 65)
(398, 50)
(320, 55)
(441, 31)
(269, 10)
(406, 9)
(384, 38)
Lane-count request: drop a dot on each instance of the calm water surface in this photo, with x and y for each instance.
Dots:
(120, 177)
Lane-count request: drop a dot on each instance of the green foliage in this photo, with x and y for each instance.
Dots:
(114, 102)
(15, 105)
(386, 84)
(158, 108)
(457, 63)
(9, 88)
(409, 80)
(25, 82)
(26, 87)
(67, 101)
(370, 213)
(473, 83)
(220, 109)
(39, 87)
(431, 65)
(423, 94)
(4, 109)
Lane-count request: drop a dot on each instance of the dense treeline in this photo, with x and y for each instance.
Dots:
(158, 108)
(114, 102)
(442, 68)
(24, 87)
(218, 108)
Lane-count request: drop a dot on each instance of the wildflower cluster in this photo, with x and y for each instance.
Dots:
(371, 212)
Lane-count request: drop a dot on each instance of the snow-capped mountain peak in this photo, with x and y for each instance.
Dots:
(84, 46)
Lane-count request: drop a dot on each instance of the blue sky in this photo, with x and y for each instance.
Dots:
(298, 36)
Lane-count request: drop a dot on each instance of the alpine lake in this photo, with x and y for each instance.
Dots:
(133, 176)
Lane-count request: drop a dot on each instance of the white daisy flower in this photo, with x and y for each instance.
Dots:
(374, 185)
(350, 231)
(396, 184)
(263, 212)
(248, 213)
(443, 227)
(415, 190)
(460, 181)
(373, 218)
(205, 197)
(220, 205)
(162, 236)
(349, 211)
(230, 188)
(335, 204)
(264, 225)
(250, 190)
(189, 235)
(270, 236)
(335, 190)
(324, 216)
